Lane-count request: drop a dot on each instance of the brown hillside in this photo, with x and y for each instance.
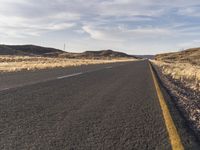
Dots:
(33, 50)
(189, 56)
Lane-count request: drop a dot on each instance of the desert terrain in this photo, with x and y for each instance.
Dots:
(180, 73)
(30, 57)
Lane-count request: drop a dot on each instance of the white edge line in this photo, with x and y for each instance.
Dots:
(70, 75)
(61, 77)
(109, 67)
(4, 89)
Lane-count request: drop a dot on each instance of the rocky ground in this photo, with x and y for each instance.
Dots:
(187, 100)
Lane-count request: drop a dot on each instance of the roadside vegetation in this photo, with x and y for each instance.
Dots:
(183, 66)
(10, 63)
(184, 72)
(180, 74)
(182, 81)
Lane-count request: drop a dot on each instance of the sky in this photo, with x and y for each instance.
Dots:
(131, 26)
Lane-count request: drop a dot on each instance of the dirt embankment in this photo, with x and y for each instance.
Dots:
(191, 56)
(187, 99)
(180, 73)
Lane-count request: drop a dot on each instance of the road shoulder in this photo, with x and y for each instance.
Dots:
(187, 136)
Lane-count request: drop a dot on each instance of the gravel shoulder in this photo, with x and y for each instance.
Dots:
(185, 99)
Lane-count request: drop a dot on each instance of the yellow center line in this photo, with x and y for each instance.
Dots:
(171, 128)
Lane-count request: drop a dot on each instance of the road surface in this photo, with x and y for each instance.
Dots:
(111, 106)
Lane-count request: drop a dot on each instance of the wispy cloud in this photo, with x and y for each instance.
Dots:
(122, 23)
(192, 11)
(121, 33)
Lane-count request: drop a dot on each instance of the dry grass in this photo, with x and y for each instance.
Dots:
(191, 56)
(18, 63)
(185, 72)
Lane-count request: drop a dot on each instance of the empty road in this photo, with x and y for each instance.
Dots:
(112, 106)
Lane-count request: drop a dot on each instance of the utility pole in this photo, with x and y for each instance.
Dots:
(64, 47)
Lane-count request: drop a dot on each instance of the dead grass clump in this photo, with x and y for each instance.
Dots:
(18, 63)
(184, 72)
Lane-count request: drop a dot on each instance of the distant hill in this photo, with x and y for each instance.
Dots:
(32, 50)
(146, 56)
(105, 53)
(99, 54)
(4, 50)
(191, 55)
(28, 50)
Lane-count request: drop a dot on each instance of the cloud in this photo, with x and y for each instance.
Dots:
(128, 22)
(121, 33)
(189, 44)
(21, 27)
(31, 18)
(190, 11)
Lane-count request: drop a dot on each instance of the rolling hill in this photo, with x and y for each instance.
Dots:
(5, 50)
(28, 50)
(98, 54)
(145, 56)
(191, 56)
(32, 50)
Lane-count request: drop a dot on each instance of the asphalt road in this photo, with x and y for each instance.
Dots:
(19, 79)
(111, 106)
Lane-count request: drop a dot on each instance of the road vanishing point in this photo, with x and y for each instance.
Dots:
(117, 106)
